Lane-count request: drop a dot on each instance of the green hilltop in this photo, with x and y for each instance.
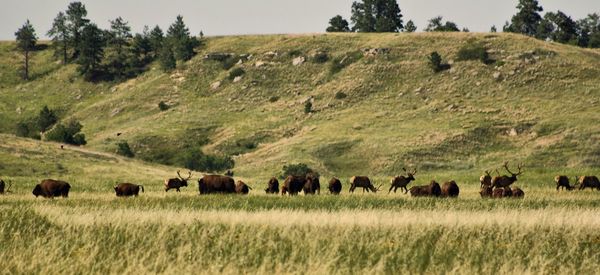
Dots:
(537, 103)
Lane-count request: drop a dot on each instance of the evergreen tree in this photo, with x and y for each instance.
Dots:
(141, 46)
(60, 36)
(410, 26)
(46, 119)
(362, 17)
(589, 29)
(156, 38)
(565, 29)
(118, 57)
(493, 29)
(527, 18)
(26, 41)
(91, 48)
(76, 14)
(167, 59)
(179, 37)
(376, 16)
(436, 25)
(338, 24)
(120, 33)
(435, 62)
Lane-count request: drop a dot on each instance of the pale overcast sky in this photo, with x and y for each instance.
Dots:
(226, 17)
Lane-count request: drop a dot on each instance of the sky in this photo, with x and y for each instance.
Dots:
(230, 17)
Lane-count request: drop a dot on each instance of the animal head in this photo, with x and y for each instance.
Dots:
(37, 191)
(410, 175)
(184, 181)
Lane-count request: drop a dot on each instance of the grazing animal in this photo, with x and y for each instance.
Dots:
(402, 181)
(517, 193)
(450, 189)
(176, 183)
(506, 181)
(486, 180)
(272, 186)
(364, 182)
(486, 192)
(242, 188)
(588, 182)
(210, 184)
(128, 189)
(431, 190)
(504, 192)
(49, 188)
(563, 182)
(335, 186)
(293, 185)
(312, 185)
(2, 185)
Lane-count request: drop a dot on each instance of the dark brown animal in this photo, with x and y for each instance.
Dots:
(431, 190)
(588, 182)
(176, 183)
(293, 185)
(242, 188)
(517, 193)
(504, 192)
(128, 189)
(506, 181)
(272, 186)
(335, 186)
(402, 181)
(563, 182)
(49, 188)
(364, 182)
(2, 185)
(486, 192)
(450, 189)
(312, 185)
(486, 180)
(211, 184)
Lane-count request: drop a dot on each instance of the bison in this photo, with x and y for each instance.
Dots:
(431, 190)
(364, 182)
(312, 185)
(272, 186)
(335, 186)
(210, 184)
(2, 185)
(49, 188)
(450, 189)
(293, 185)
(588, 182)
(517, 193)
(176, 183)
(242, 188)
(504, 192)
(506, 181)
(128, 189)
(563, 182)
(486, 191)
(402, 181)
(486, 180)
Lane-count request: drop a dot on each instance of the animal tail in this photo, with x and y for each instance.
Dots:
(141, 186)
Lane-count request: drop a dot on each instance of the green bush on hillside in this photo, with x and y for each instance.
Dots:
(236, 72)
(298, 170)
(163, 106)
(340, 95)
(69, 133)
(196, 160)
(320, 57)
(473, 51)
(123, 149)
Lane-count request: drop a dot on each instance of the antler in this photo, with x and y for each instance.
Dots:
(520, 166)
(487, 172)
(506, 167)
(179, 175)
(414, 172)
(189, 175)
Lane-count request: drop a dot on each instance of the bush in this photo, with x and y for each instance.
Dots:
(295, 53)
(320, 57)
(67, 133)
(196, 160)
(308, 107)
(340, 95)
(229, 62)
(435, 62)
(123, 149)
(163, 106)
(473, 51)
(27, 129)
(236, 72)
(273, 99)
(46, 119)
(299, 170)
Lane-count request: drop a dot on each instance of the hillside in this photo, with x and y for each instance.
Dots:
(537, 104)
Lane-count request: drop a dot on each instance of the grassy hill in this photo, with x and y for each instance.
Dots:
(537, 104)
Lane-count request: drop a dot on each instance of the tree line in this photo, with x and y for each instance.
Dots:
(112, 54)
(386, 16)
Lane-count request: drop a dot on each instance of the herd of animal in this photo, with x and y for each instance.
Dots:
(491, 187)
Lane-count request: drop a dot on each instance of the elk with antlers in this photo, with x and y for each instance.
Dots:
(402, 181)
(506, 181)
(486, 180)
(364, 182)
(176, 183)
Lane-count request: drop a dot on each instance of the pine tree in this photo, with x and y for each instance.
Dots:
(141, 46)
(46, 119)
(338, 24)
(26, 41)
(179, 37)
(76, 14)
(589, 29)
(118, 57)
(91, 48)
(527, 18)
(410, 26)
(435, 25)
(120, 33)
(60, 36)
(167, 59)
(565, 29)
(156, 38)
(493, 29)
(376, 16)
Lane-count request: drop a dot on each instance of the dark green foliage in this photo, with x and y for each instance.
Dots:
(123, 149)
(473, 51)
(435, 62)
(76, 14)
(342, 62)
(69, 133)
(589, 28)
(338, 24)
(46, 119)
(436, 25)
(527, 18)
(197, 160)
(91, 51)
(565, 29)
(26, 41)
(376, 16)
(229, 62)
(299, 170)
(180, 40)
(493, 29)
(141, 48)
(235, 73)
(119, 59)
(167, 59)
(410, 26)
(295, 53)
(60, 36)
(156, 38)
(273, 99)
(320, 57)
(27, 129)
(163, 106)
(308, 107)
(340, 95)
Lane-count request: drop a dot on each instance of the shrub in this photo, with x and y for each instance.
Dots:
(320, 57)
(340, 95)
(68, 133)
(163, 106)
(196, 160)
(236, 72)
(229, 62)
(46, 119)
(308, 107)
(273, 99)
(435, 62)
(123, 149)
(473, 51)
(295, 53)
(299, 170)
(27, 129)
